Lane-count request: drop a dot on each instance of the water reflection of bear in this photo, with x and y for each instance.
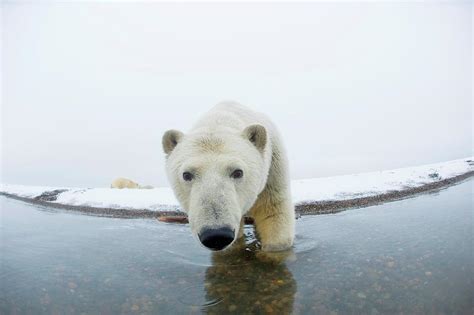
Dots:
(246, 280)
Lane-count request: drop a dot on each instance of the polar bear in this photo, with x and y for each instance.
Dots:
(232, 163)
(121, 183)
(124, 183)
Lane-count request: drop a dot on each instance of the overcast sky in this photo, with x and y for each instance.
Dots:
(89, 89)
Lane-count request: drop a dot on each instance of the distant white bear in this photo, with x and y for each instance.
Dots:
(123, 183)
(232, 163)
(127, 183)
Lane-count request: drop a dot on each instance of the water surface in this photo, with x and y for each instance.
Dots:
(410, 256)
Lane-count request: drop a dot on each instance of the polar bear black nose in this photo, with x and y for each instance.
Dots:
(216, 239)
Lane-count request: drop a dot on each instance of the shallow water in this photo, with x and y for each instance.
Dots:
(410, 256)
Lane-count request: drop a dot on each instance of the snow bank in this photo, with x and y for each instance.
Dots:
(376, 183)
(303, 191)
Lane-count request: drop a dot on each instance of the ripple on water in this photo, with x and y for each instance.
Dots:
(196, 295)
(196, 259)
(304, 244)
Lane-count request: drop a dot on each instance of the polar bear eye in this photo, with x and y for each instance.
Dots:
(187, 176)
(237, 174)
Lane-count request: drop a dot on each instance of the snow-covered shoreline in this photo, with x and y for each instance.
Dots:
(304, 192)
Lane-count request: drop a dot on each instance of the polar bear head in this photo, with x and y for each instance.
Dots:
(216, 177)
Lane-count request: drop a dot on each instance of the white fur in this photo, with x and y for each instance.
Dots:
(229, 137)
(121, 183)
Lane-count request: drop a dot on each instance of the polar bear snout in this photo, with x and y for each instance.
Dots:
(216, 238)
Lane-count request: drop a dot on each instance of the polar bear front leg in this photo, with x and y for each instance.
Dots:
(275, 226)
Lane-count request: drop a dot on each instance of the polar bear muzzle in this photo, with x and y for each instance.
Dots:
(216, 238)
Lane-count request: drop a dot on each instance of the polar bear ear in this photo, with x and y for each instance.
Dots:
(171, 139)
(257, 134)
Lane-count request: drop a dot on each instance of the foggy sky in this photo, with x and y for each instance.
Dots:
(89, 89)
